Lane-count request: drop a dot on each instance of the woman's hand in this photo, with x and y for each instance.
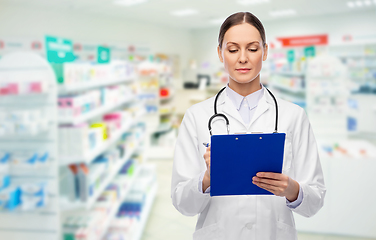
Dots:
(277, 183)
(206, 180)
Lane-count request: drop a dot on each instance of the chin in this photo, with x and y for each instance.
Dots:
(244, 79)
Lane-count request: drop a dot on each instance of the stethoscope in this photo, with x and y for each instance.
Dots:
(228, 123)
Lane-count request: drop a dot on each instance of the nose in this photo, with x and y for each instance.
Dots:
(243, 57)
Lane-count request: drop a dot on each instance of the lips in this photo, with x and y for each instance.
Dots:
(243, 70)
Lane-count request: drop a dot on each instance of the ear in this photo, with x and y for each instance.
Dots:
(265, 52)
(220, 54)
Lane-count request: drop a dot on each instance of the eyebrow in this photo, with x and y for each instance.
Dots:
(247, 44)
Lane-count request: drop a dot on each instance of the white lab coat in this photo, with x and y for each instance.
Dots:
(246, 217)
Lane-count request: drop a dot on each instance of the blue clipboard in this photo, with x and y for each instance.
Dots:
(235, 160)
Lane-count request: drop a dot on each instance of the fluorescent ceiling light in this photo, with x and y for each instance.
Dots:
(129, 2)
(251, 2)
(350, 4)
(359, 3)
(184, 12)
(282, 13)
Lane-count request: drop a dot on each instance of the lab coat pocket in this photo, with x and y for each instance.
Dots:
(208, 233)
(287, 157)
(285, 231)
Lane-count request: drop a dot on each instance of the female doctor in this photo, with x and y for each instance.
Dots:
(249, 107)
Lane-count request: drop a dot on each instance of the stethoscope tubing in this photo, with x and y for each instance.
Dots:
(226, 119)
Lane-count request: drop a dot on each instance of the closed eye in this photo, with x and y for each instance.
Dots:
(253, 50)
(232, 51)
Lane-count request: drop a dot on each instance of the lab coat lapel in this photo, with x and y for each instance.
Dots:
(262, 107)
(230, 110)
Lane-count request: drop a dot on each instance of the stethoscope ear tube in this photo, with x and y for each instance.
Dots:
(276, 111)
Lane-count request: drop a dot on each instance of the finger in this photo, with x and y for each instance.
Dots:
(270, 175)
(266, 187)
(268, 181)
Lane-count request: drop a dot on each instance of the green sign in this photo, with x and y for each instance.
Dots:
(291, 56)
(310, 51)
(103, 55)
(59, 50)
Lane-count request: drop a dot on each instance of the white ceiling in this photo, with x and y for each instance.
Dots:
(158, 11)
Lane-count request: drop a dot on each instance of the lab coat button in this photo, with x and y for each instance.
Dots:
(249, 225)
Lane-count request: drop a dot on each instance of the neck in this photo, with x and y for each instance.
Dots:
(245, 89)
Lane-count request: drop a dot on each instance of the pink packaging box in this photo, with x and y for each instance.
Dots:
(36, 87)
(13, 88)
(70, 106)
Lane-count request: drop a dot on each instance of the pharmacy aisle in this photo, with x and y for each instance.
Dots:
(165, 222)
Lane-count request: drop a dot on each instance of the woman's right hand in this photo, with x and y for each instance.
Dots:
(206, 180)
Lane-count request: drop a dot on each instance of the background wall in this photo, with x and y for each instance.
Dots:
(360, 25)
(24, 22)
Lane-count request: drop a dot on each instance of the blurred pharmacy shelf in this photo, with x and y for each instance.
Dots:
(73, 88)
(146, 211)
(68, 205)
(290, 74)
(94, 113)
(130, 181)
(286, 88)
(124, 128)
(29, 197)
(163, 127)
(98, 150)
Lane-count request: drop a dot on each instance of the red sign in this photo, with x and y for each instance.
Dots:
(1, 44)
(304, 40)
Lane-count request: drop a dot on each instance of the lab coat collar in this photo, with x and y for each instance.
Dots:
(266, 97)
(237, 99)
(224, 104)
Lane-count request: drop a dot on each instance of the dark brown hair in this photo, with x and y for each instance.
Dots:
(239, 18)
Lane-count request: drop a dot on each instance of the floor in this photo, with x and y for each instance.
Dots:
(166, 223)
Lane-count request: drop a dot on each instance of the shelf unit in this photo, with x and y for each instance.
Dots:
(99, 150)
(95, 113)
(21, 224)
(360, 60)
(146, 211)
(72, 88)
(117, 204)
(286, 88)
(160, 120)
(135, 231)
(289, 86)
(66, 205)
(45, 223)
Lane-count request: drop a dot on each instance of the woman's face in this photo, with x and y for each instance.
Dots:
(242, 53)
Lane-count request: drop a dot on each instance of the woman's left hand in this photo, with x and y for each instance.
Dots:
(277, 183)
